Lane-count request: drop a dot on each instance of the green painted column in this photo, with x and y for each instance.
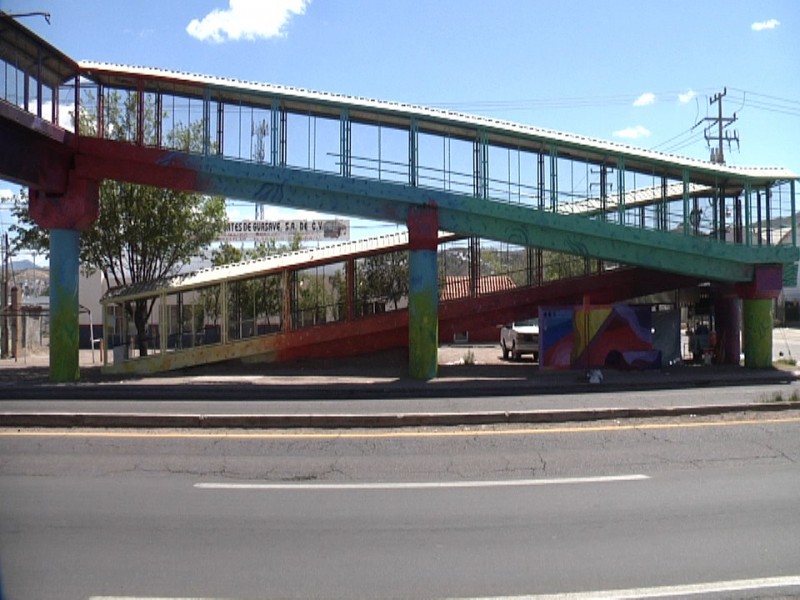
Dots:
(64, 271)
(757, 333)
(423, 293)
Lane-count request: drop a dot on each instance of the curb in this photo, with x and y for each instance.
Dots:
(375, 420)
(402, 389)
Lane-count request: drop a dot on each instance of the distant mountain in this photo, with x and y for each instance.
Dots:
(22, 265)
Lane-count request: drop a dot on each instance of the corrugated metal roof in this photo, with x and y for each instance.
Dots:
(430, 119)
(25, 50)
(279, 262)
(634, 198)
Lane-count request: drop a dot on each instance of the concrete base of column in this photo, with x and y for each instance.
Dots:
(423, 315)
(64, 307)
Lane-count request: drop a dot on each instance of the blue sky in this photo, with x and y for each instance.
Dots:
(635, 72)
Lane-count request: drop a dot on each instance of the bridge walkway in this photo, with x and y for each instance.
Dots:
(428, 169)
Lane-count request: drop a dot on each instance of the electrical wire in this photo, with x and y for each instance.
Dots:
(566, 102)
(768, 103)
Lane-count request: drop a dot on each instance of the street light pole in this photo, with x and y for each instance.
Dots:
(4, 334)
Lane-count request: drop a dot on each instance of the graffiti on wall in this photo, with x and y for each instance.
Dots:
(618, 336)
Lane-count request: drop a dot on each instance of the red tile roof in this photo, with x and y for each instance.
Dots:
(456, 287)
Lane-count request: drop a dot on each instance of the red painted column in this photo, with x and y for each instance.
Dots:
(77, 208)
(65, 215)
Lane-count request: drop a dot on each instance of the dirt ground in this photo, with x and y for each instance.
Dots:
(479, 354)
(454, 359)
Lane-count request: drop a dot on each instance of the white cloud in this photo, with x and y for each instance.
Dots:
(632, 133)
(645, 99)
(246, 19)
(65, 113)
(686, 97)
(762, 25)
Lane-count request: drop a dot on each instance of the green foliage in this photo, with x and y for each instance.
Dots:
(228, 254)
(558, 265)
(249, 300)
(143, 233)
(778, 397)
(517, 262)
(314, 295)
(25, 234)
(468, 358)
(382, 278)
(786, 362)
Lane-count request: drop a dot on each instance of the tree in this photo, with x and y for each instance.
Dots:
(255, 298)
(559, 265)
(142, 233)
(382, 278)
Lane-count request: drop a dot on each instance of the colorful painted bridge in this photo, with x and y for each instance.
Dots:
(428, 169)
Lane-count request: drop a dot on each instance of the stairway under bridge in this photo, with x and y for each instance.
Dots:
(430, 170)
(254, 310)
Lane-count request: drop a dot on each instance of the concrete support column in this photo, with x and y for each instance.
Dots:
(16, 322)
(65, 213)
(757, 333)
(64, 307)
(757, 321)
(423, 292)
(350, 277)
(727, 312)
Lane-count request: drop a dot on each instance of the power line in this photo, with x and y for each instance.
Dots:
(564, 102)
(769, 103)
(667, 142)
(774, 98)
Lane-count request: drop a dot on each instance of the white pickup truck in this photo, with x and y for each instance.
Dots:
(520, 337)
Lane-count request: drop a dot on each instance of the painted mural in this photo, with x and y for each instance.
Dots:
(618, 336)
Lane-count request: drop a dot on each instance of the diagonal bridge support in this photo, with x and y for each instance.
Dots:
(696, 256)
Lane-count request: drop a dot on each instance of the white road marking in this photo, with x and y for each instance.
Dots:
(691, 589)
(417, 485)
(716, 587)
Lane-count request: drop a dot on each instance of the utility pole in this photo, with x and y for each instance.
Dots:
(721, 123)
(4, 324)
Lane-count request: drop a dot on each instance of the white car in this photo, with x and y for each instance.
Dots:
(520, 337)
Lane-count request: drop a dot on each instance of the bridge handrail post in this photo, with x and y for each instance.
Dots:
(748, 233)
(792, 201)
(621, 190)
(345, 143)
(413, 152)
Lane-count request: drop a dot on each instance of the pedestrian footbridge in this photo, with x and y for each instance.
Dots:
(624, 212)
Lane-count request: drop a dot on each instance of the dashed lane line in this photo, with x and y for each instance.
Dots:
(692, 589)
(415, 485)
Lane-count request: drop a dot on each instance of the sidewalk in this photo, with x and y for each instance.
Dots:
(474, 386)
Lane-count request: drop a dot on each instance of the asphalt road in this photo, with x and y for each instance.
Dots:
(437, 513)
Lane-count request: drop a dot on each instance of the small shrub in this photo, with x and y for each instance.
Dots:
(469, 358)
(779, 397)
(788, 362)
